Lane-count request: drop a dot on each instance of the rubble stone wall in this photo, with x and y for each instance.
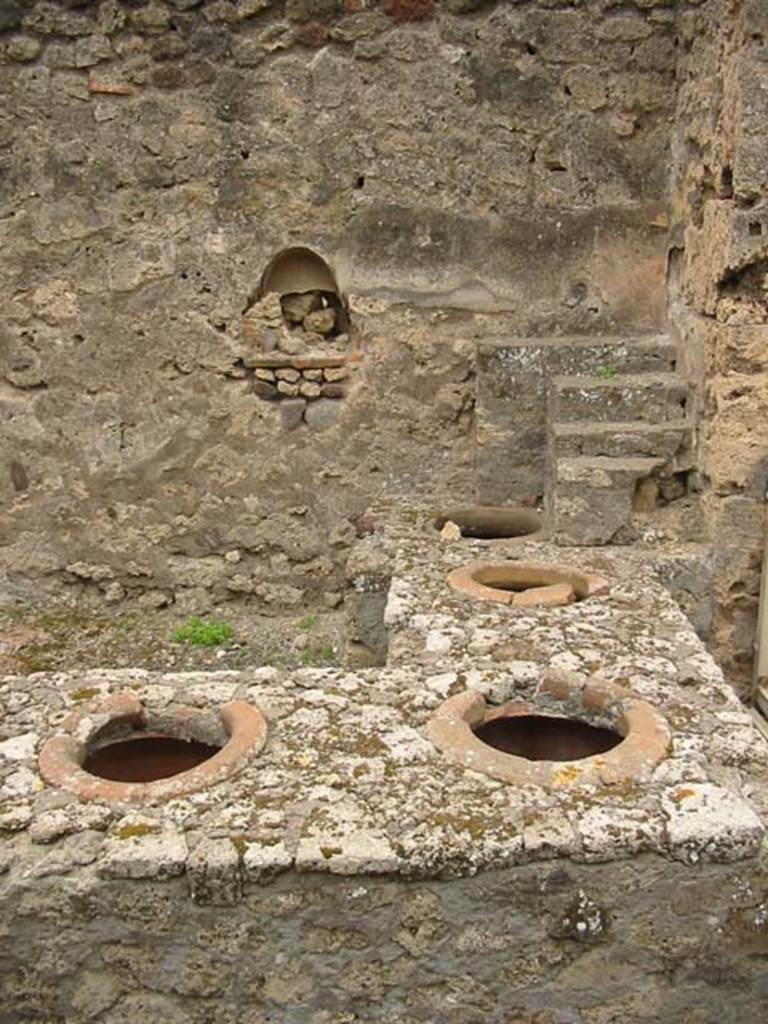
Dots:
(718, 292)
(464, 168)
(645, 940)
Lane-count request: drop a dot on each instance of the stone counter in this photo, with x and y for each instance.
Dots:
(350, 783)
(351, 872)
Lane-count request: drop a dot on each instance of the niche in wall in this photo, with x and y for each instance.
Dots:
(297, 331)
(298, 298)
(306, 285)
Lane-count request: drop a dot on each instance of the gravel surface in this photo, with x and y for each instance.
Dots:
(37, 639)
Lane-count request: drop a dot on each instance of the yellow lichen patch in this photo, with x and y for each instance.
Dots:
(330, 851)
(623, 789)
(136, 831)
(305, 759)
(682, 794)
(84, 694)
(475, 826)
(240, 843)
(566, 776)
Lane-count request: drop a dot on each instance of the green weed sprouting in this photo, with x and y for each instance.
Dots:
(317, 657)
(606, 372)
(203, 633)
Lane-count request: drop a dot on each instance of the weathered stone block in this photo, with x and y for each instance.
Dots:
(22, 48)
(11, 14)
(738, 349)
(649, 398)
(706, 823)
(322, 413)
(737, 434)
(593, 499)
(292, 410)
(347, 854)
(144, 849)
(309, 10)
(214, 874)
(287, 388)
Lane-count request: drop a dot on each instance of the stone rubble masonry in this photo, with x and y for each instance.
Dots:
(280, 377)
(149, 171)
(718, 295)
(130, 405)
(367, 722)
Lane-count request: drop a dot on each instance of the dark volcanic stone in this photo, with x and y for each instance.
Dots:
(11, 14)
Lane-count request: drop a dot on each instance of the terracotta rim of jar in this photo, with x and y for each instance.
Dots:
(544, 585)
(646, 734)
(63, 755)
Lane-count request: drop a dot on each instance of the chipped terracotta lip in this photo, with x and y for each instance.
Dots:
(62, 756)
(551, 586)
(528, 517)
(646, 736)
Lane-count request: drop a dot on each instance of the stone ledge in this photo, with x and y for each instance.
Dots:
(307, 362)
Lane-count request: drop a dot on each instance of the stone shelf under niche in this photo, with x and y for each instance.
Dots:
(313, 361)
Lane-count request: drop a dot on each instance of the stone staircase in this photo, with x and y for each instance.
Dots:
(599, 427)
(619, 445)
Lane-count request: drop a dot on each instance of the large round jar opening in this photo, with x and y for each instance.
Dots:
(146, 757)
(546, 737)
(491, 523)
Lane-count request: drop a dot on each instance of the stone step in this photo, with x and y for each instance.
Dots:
(652, 398)
(592, 498)
(671, 440)
(512, 407)
(582, 354)
(598, 469)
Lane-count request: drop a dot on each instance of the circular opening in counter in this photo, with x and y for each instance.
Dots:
(603, 735)
(525, 583)
(119, 750)
(515, 586)
(492, 523)
(546, 737)
(146, 758)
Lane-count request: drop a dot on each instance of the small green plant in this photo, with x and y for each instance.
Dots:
(315, 657)
(203, 633)
(606, 372)
(308, 622)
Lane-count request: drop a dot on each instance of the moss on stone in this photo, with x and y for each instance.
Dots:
(369, 746)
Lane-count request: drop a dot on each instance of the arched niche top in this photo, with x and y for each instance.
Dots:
(297, 269)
